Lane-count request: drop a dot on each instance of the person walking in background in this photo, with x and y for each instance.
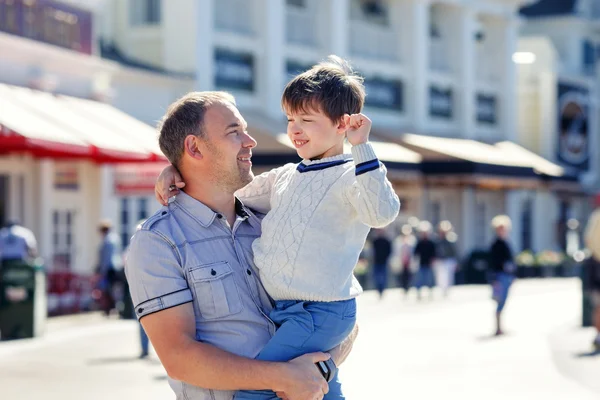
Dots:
(17, 243)
(592, 242)
(502, 265)
(405, 253)
(425, 251)
(108, 263)
(382, 249)
(446, 258)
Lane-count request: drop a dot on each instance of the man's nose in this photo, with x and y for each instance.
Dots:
(249, 141)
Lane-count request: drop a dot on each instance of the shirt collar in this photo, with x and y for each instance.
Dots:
(204, 214)
(328, 162)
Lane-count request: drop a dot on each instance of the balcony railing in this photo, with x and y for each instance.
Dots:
(235, 16)
(373, 41)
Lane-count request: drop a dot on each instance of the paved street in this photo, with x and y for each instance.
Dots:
(429, 350)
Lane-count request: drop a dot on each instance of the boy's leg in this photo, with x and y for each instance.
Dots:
(304, 327)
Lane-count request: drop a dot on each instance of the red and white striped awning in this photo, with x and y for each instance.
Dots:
(58, 126)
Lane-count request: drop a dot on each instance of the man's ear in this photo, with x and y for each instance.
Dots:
(342, 126)
(191, 147)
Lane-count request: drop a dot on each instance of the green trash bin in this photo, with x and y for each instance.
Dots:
(23, 309)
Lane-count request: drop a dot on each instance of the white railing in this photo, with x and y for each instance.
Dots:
(300, 26)
(235, 16)
(373, 41)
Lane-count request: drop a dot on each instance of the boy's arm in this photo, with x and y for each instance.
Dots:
(257, 194)
(164, 305)
(369, 191)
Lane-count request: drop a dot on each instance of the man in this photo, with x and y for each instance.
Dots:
(502, 266)
(382, 249)
(592, 242)
(17, 243)
(108, 262)
(191, 270)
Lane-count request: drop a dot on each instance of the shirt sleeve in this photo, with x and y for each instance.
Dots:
(156, 278)
(371, 193)
(257, 194)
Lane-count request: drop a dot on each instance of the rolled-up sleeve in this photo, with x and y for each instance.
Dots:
(156, 278)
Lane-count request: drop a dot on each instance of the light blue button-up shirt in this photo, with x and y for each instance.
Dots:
(188, 253)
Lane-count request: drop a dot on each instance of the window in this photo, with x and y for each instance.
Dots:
(526, 222)
(589, 57)
(3, 199)
(142, 208)
(145, 12)
(296, 3)
(373, 11)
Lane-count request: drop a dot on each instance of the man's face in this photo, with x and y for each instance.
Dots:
(314, 135)
(227, 147)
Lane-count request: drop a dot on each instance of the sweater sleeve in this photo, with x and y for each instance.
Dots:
(370, 192)
(257, 194)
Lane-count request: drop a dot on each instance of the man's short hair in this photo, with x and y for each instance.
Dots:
(330, 87)
(501, 221)
(186, 117)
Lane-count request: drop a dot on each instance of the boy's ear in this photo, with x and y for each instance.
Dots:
(343, 124)
(191, 147)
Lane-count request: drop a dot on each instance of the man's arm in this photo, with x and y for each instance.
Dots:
(172, 333)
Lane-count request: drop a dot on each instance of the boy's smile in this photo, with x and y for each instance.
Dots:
(314, 135)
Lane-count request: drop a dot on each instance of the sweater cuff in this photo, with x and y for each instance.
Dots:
(362, 153)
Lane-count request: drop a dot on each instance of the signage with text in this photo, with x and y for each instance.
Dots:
(440, 102)
(48, 21)
(486, 109)
(573, 130)
(66, 176)
(234, 70)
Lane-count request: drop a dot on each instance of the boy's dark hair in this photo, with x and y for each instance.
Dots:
(331, 87)
(186, 117)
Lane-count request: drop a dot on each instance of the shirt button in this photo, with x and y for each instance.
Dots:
(249, 272)
(213, 272)
(219, 216)
(164, 213)
(140, 310)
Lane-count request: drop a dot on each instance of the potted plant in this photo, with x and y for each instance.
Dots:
(525, 261)
(549, 260)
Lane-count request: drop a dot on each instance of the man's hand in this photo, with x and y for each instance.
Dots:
(168, 184)
(359, 127)
(302, 379)
(341, 352)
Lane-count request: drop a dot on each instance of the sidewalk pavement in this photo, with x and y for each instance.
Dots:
(406, 349)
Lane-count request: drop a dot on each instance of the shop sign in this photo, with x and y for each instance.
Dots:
(486, 109)
(66, 176)
(136, 179)
(384, 93)
(440, 102)
(573, 129)
(234, 70)
(48, 21)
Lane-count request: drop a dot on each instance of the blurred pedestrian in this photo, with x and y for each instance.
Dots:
(382, 249)
(592, 242)
(425, 251)
(407, 243)
(109, 261)
(144, 341)
(446, 257)
(17, 243)
(502, 266)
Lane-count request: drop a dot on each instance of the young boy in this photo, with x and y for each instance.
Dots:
(318, 215)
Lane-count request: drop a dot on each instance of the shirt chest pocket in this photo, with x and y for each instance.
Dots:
(216, 292)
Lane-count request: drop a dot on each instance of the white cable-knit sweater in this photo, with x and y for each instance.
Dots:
(319, 215)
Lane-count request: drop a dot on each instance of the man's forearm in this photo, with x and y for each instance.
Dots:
(209, 367)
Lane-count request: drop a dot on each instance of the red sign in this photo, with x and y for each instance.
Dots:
(137, 178)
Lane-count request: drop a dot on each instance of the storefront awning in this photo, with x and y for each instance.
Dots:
(456, 156)
(48, 125)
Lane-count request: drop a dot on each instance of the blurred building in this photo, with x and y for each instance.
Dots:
(441, 90)
(558, 109)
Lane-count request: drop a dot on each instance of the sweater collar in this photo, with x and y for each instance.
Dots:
(328, 162)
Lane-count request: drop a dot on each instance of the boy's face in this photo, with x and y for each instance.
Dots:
(314, 135)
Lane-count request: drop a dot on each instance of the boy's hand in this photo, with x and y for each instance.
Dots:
(359, 127)
(167, 185)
